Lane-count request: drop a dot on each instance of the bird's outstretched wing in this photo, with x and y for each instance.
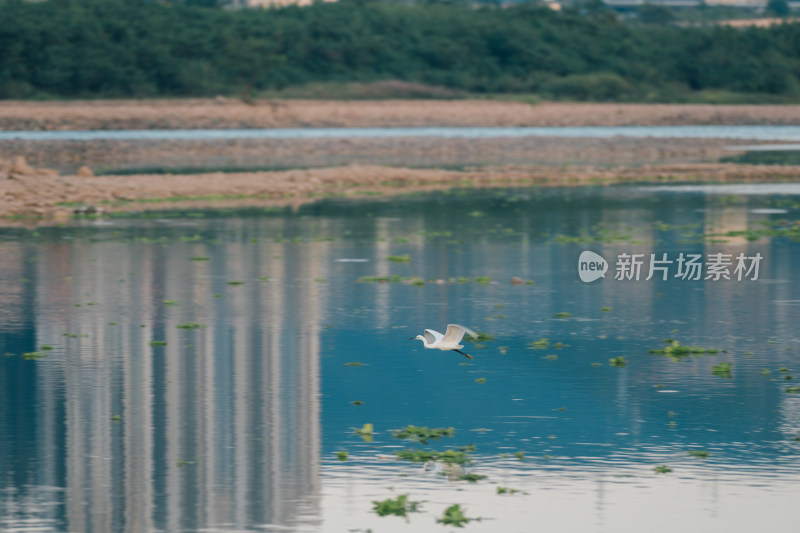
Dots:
(432, 336)
(455, 333)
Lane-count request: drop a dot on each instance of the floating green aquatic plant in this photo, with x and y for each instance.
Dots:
(506, 490)
(422, 456)
(606, 309)
(399, 506)
(472, 478)
(482, 337)
(423, 434)
(792, 390)
(382, 279)
(365, 432)
(541, 344)
(354, 363)
(191, 325)
(399, 258)
(483, 280)
(357, 402)
(235, 282)
(45, 347)
(662, 469)
(341, 455)
(520, 455)
(698, 453)
(454, 516)
(480, 380)
(116, 418)
(158, 343)
(33, 356)
(551, 357)
(562, 314)
(722, 370)
(170, 302)
(617, 361)
(677, 351)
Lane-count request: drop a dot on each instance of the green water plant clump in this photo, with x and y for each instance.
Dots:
(541, 344)
(191, 325)
(482, 337)
(454, 516)
(449, 456)
(365, 432)
(677, 351)
(722, 370)
(423, 434)
(399, 506)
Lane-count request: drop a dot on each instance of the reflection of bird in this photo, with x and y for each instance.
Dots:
(449, 341)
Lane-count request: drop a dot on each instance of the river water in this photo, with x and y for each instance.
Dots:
(201, 371)
(761, 133)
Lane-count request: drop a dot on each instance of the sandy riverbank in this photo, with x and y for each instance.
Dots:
(348, 167)
(34, 194)
(229, 113)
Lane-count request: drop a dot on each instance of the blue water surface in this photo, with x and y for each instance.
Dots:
(275, 337)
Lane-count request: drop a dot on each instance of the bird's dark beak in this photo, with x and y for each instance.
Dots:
(412, 338)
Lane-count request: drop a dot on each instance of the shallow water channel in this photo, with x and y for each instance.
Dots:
(199, 371)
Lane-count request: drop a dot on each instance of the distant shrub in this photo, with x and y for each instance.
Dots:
(598, 87)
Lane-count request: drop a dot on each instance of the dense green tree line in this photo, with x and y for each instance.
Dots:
(116, 48)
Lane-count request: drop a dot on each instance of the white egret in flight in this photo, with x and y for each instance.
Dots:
(449, 341)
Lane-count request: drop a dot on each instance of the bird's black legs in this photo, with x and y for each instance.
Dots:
(464, 354)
